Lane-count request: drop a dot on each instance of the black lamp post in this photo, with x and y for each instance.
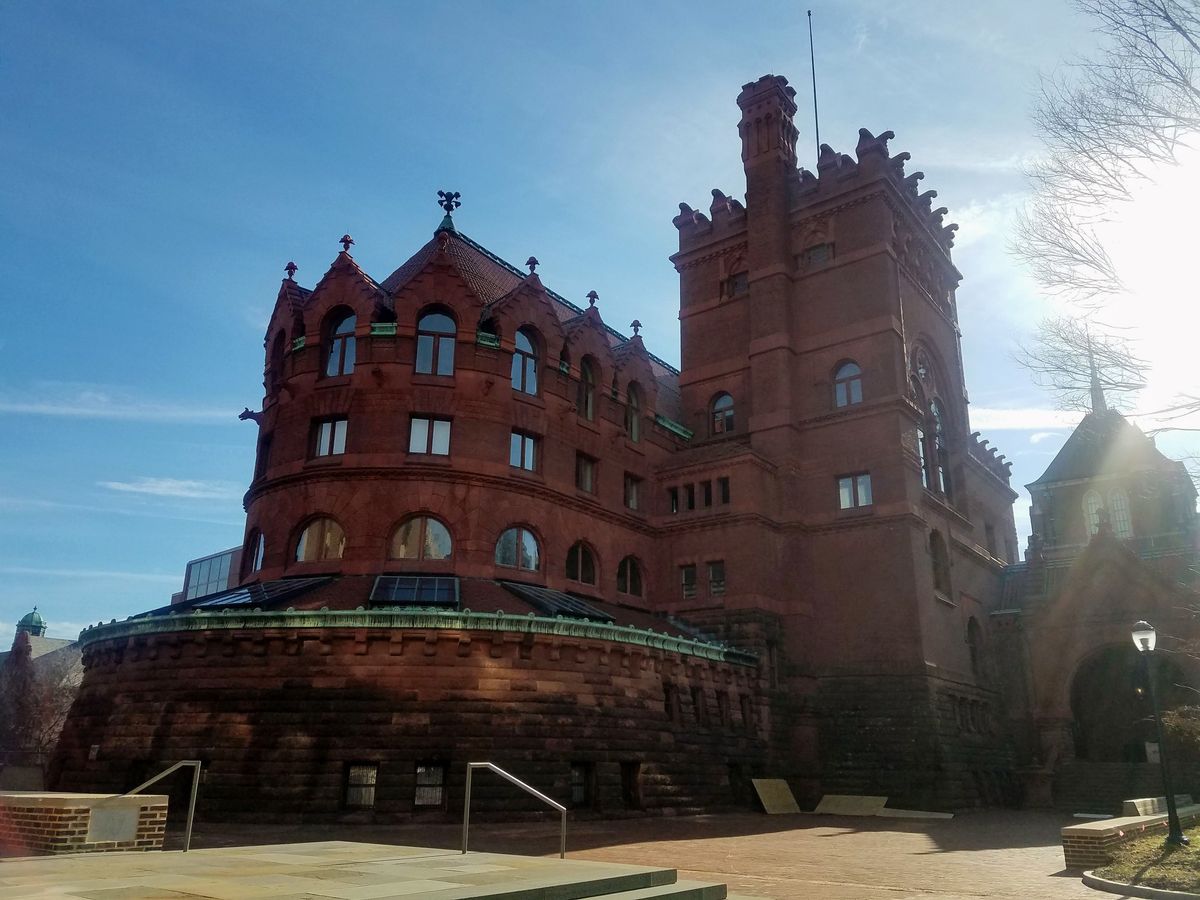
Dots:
(1144, 638)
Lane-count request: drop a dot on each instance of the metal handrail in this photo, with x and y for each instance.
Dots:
(562, 844)
(197, 765)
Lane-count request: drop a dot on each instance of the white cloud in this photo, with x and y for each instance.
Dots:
(1027, 419)
(176, 487)
(1040, 436)
(91, 401)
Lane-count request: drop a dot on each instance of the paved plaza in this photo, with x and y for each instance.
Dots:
(987, 854)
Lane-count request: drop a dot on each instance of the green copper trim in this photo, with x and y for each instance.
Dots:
(674, 427)
(383, 329)
(412, 618)
(483, 339)
(298, 343)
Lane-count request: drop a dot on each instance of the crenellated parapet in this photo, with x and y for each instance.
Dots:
(989, 457)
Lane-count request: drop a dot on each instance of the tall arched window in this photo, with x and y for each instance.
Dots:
(581, 563)
(587, 388)
(629, 577)
(435, 344)
(275, 361)
(633, 412)
(340, 359)
(1092, 503)
(847, 385)
(525, 362)
(939, 559)
(518, 549)
(940, 458)
(321, 539)
(421, 537)
(722, 414)
(1118, 510)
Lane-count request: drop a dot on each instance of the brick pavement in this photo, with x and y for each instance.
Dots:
(997, 854)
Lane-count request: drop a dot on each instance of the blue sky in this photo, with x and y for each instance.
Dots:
(164, 161)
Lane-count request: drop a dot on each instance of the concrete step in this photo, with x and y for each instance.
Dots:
(680, 890)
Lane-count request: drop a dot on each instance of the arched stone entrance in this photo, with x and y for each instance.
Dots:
(1110, 707)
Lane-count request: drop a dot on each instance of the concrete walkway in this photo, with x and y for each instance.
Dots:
(989, 854)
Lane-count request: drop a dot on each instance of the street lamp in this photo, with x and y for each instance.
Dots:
(1144, 638)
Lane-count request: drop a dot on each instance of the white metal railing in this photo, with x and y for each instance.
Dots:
(471, 767)
(195, 764)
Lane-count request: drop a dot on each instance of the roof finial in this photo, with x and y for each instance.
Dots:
(291, 268)
(636, 326)
(592, 297)
(1098, 404)
(346, 241)
(448, 200)
(532, 262)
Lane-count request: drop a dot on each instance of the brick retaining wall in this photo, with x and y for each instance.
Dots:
(46, 824)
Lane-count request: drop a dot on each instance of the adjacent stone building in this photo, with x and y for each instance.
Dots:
(483, 524)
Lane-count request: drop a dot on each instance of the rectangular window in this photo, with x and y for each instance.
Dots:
(689, 492)
(264, 456)
(585, 473)
(687, 581)
(671, 702)
(747, 713)
(522, 451)
(716, 578)
(737, 284)
(817, 255)
(633, 490)
(673, 499)
(360, 785)
(430, 791)
(723, 489)
(631, 783)
(700, 706)
(722, 708)
(854, 491)
(989, 532)
(706, 493)
(583, 781)
(430, 436)
(330, 437)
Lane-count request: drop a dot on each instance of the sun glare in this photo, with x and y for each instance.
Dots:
(1153, 244)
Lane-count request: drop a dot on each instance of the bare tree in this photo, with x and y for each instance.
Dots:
(1106, 121)
(1068, 358)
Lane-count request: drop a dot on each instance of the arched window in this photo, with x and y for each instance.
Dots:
(847, 385)
(1092, 504)
(257, 545)
(421, 537)
(614, 390)
(939, 559)
(722, 414)
(275, 361)
(940, 458)
(629, 577)
(518, 549)
(435, 344)
(340, 359)
(633, 412)
(321, 539)
(525, 362)
(974, 647)
(581, 563)
(587, 388)
(1118, 510)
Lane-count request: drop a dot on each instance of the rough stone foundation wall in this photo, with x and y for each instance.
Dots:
(278, 715)
(38, 830)
(923, 742)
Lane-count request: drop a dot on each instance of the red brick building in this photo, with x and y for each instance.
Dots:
(484, 525)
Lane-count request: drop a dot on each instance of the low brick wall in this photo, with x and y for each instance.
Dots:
(35, 824)
(1091, 844)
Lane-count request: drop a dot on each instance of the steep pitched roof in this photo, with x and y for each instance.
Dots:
(1104, 443)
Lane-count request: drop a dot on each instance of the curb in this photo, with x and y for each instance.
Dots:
(1133, 890)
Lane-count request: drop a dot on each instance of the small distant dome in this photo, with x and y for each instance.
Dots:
(33, 623)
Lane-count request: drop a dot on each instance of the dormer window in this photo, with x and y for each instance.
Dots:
(525, 363)
(435, 344)
(340, 359)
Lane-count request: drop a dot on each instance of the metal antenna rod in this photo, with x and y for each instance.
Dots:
(812, 57)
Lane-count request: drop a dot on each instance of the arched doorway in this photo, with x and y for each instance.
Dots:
(1111, 708)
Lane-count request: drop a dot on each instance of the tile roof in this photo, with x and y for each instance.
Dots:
(1104, 443)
